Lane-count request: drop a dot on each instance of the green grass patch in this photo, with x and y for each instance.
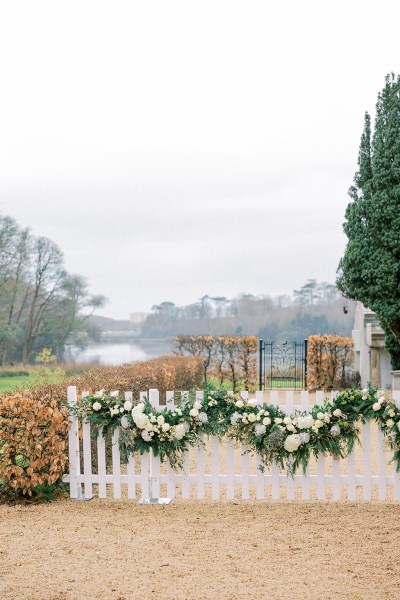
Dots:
(8, 384)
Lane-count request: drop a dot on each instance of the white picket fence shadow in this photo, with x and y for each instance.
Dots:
(223, 471)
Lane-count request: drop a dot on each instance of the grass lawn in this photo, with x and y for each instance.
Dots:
(11, 383)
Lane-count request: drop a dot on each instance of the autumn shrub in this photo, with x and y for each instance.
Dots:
(225, 357)
(329, 358)
(33, 442)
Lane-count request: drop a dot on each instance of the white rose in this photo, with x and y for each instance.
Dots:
(125, 422)
(292, 442)
(337, 412)
(252, 402)
(290, 427)
(245, 421)
(376, 406)
(305, 422)
(266, 421)
(194, 412)
(252, 418)
(96, 406)
(287, 420)
(239, 403)
(389, 423)
(197, 405)
(160, 419)
(128, 405)
(277, 420)
(139, 408)
(114, 394)
(398, 425)
(165, 427)
(318, 424)
(391, 412)
(321, 416)
(327, 418)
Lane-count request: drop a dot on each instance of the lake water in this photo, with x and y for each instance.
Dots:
(118, 353)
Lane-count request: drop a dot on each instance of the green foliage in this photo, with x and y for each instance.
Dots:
(370, 268)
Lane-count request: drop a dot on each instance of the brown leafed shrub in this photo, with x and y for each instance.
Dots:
(33, 446)
(328, 360)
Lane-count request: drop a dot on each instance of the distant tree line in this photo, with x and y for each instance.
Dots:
(315, 308)
(41, 305)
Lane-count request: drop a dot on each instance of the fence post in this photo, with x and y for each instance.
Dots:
(75, 488)
(305, 362)
(260, 364)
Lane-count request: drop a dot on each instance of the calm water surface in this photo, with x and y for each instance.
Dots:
(119, 353)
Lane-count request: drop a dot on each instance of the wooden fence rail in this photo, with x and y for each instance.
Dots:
(220, 470)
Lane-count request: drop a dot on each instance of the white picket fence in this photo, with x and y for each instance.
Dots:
(220, 470)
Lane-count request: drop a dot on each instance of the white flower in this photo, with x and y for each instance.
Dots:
(337, 412)
(335, 430)
(304, 437)
(239, 403)
(160, 419)
(245, 421)
(318, 424)
(235, 418)
(96, 406)
(114, 410)
(305, 422)
(139, 408)
(252, 402)
(128, 405)
(146, 435)
(186, 426)
(321, 416)
(277, 420)
(389, 423)
(391, 412)
(153, 418)
(287, 420)
(327, 418)
(376, 406)
(140, 420)
(125, 422)
(99, 394)
(165, 427)
(398, 425)
(266, 421)
(251, 418)
(194, 412)
(197, 405)
(202, 417)
(290, 427)
(179, 412)
(365, 390)
(260, 429)
(292, 442)
(179, 431)
(114, 394)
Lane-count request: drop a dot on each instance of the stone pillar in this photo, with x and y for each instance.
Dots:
(375, 366)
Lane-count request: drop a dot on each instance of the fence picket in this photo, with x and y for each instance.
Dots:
(116, 464)
(381, 466)
(87, 460)
(200, 487)
(101, 464)
(366, 450)
(214, 468)
(230, 470)
(245, 473)
(73, 447)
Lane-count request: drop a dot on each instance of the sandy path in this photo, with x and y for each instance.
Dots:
(120, 550)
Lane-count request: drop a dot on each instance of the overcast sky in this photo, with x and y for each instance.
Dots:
(176, 148)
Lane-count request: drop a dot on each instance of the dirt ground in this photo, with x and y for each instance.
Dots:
(119, 550)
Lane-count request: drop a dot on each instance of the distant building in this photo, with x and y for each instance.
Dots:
(372, 360)
(138, 317)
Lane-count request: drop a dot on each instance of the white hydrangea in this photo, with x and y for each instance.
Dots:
(305, 422)
(335, 430)
(260, 429)
(146, 435)
(292, 442)
(140, 420)
(179, 431)
(165, 427)
(139, 408)
(235, 418)
(197, 405)
(128, 405)
(304, 437)
(160, 419)
(202, 417)
(125, 422)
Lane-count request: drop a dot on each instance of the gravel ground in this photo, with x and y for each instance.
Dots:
(119, 550)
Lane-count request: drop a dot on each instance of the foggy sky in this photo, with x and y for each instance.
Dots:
(176, 149)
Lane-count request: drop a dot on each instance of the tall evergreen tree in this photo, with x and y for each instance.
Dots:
(370, 268)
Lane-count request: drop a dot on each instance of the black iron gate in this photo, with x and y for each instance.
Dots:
(282, 365)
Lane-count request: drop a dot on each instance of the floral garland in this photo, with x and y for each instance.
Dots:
(289, 440)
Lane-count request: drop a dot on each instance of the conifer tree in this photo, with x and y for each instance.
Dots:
(370, 268)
